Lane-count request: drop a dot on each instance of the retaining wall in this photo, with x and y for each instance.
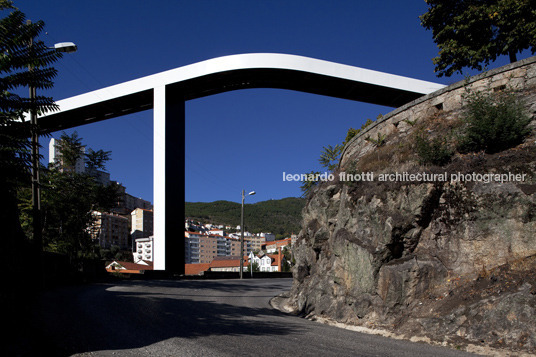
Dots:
(519, 76)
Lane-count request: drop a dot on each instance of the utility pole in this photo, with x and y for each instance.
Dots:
(36, 185)
(242, 238)
(242, 234)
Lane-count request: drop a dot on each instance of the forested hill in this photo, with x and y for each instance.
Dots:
(281, 217)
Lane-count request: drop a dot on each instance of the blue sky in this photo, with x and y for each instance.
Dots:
(237, 140)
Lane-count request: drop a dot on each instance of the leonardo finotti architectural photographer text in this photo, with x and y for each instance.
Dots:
(408, 177)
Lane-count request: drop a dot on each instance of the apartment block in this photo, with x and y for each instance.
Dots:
(141, 223)
(256, 242)
(201, 248)
(110, 229)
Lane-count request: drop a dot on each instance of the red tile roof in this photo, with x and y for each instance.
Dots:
(226, 262)
(195, 269)
(275, 259)
(129, 267)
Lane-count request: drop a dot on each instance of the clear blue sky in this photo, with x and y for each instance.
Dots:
(238, 140)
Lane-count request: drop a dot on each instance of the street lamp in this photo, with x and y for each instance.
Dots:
(67, 47)
(242, 234)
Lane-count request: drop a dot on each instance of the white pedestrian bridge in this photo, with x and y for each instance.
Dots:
(166, 93)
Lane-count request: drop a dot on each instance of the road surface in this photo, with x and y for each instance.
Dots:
(192, 318)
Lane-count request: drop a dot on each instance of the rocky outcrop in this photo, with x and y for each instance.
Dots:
(450, 261)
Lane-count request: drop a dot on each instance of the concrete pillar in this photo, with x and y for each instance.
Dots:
(169, 150)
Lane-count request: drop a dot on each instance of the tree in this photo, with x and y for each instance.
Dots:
(310, 182)
(71, 150)
(329, 158)
(68, 201)
(16, 58)
(96, 160)
(254, 266)
(470, 33)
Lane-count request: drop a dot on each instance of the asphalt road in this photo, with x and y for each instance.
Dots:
(191, 318)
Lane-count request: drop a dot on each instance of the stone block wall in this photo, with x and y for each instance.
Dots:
(518, 76)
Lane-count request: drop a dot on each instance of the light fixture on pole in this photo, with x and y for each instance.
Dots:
(36, 185)
(242, 233)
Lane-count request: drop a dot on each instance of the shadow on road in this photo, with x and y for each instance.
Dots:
(132, 315)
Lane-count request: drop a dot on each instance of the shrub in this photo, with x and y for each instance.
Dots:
(434, 151)
(379, 141)
(494, 122)
(350, 134)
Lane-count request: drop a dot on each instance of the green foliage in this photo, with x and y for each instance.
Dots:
(70, 148)
(276, 216)
(253, 266)
(115, 253)
(353, 132)
(410, 122)
(96, 160)
(329, 158)
(350, 134)
(471, 33)
(494, 122)
(15, 60)
(379, 141)
(434, 151)
(67, 201)
(310, 182)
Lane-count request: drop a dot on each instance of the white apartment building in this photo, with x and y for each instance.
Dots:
(143, 249)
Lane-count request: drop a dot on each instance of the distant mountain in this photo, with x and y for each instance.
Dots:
(281, 217)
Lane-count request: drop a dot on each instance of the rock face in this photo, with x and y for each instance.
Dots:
(451, 261)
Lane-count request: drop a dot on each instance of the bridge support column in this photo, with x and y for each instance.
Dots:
(168, 171)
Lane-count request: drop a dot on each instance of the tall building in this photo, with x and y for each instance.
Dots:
(141, 223)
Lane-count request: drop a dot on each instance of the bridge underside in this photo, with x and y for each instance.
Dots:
(230, 81)
(167, 92)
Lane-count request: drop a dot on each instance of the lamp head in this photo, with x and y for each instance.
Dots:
(252, 193)
(67, 47)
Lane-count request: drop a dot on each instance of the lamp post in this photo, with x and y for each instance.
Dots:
(36, 185)
(242, 234)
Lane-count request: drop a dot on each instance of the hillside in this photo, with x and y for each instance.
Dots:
(281, 217)
(439, 245)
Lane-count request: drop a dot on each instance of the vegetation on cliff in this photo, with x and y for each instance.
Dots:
(430, 258)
